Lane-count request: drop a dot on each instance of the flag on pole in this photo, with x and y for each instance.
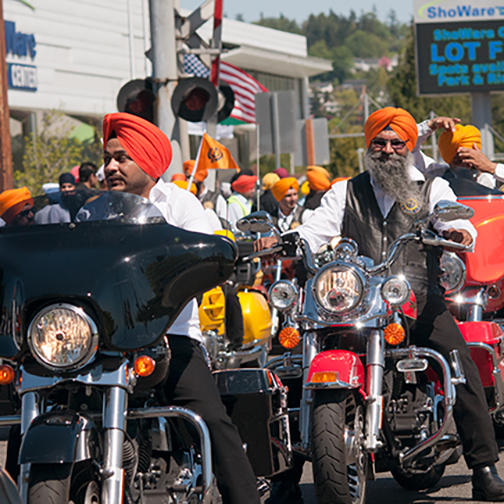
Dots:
(244, 86)
(213, 154)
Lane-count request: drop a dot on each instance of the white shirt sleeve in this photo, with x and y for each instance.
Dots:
(499, 172)
(441, 190)
(424, 132)
(327, 219)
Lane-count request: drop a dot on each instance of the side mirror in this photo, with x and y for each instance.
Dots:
(450, 210)
(256, 222)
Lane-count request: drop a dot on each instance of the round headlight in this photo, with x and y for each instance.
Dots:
(62, 336)
(282, 295)
(339, 289)
(395, 290)
(454, 272)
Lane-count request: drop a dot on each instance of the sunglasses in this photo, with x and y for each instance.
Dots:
(380, 143)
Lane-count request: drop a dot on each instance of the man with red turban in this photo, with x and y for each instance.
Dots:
(288, 214)
(136, 154)
(375, 208)
(239, 203)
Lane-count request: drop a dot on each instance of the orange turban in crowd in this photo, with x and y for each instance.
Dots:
(318, 178)
(280, 189)
(244, 183)
(183, 185)
(463, 136)
(200, 174)
(397, 119)
(14, 201)
(269, 180)
(177, 176)
(144, 142)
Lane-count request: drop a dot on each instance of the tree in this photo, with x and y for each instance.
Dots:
(47, 155)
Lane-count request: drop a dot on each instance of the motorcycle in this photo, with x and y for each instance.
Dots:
(85, 310)
(235, 318)
(368, 399)
(474, 284)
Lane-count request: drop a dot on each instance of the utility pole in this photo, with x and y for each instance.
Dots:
(6, 179)
(165, 73)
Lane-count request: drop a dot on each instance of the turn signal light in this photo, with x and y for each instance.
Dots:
(394, 333)
(6, 374)
(324, 377)
(289, 337)
(144, 365)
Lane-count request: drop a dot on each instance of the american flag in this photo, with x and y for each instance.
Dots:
(244, 86)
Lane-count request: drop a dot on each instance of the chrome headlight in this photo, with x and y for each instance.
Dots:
(62, 336)
(396, 290)
(454, 272)
(339, 289)
(282, 295)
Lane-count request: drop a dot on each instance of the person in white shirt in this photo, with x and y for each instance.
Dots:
(136, 154)
(288, 214)
(376, 207)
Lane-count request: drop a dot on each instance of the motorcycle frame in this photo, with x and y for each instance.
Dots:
(117, 384)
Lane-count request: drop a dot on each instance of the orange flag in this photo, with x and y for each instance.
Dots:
(213, 155)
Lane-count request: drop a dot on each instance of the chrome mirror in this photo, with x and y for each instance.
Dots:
(450, 210)
(256, 222)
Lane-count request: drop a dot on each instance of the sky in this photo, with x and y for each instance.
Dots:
(300, 10)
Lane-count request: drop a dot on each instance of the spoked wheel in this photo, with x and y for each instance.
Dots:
(339, 461)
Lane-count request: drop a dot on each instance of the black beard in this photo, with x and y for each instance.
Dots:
(390, 172)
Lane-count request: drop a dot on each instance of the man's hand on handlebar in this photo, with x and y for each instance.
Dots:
(458, 235)
(265, 243)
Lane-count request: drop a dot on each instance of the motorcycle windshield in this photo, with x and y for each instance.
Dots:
(114, 255)
(486, 264)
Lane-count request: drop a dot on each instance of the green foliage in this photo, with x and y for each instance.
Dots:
(281, 23)
(51, 153)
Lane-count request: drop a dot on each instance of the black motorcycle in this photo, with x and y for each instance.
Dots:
(85, 309)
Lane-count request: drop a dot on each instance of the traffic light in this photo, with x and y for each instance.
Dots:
(137, 97)
(226, 101)
(194, 99)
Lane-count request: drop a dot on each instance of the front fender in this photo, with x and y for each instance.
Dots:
(58, 437)
(344, 369)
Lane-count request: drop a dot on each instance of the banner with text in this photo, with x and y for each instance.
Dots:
(459, 46)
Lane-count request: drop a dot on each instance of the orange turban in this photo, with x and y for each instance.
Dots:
(244, 183)
(463, 136)
(281, 188)
(144, 142)
(13, 201)
(269, 180)
(183, 185)
(177, 176)
(318, 178)
(200, 175)
(398, 119)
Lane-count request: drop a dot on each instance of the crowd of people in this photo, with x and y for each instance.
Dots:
(399, 184)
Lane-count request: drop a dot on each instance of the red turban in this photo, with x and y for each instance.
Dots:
(144, 142)
(13, 201)
(318, 178)
(398, 119)
(244, 183)
(281, 188)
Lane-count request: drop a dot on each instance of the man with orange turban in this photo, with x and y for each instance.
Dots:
(319, 180)
(239, 203)
(136, 154)
(16, 207)
(374, 209)
(288, 214)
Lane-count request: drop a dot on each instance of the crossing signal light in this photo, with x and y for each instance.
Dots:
(137, 97)
(194, 99)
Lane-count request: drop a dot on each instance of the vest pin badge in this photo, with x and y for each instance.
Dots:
(410, 206)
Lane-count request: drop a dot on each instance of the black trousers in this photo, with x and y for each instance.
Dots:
(190, 384)
(435, 328)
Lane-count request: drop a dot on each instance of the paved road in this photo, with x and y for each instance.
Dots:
(454, 487)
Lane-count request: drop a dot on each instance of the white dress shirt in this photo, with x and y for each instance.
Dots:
(182, 209)
(284, 221)
(327, 219)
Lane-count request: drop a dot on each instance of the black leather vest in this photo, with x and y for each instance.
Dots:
(364, 223)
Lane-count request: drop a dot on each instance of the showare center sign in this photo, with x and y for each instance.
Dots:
(459, 46)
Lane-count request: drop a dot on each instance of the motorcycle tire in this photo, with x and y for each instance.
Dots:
(422, 481)
(49, 483)
(339, 467)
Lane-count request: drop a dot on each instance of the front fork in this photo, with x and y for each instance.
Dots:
(115, 405)
(310, 350)
(375, 364)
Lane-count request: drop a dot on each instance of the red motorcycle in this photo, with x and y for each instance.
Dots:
(474, 283)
